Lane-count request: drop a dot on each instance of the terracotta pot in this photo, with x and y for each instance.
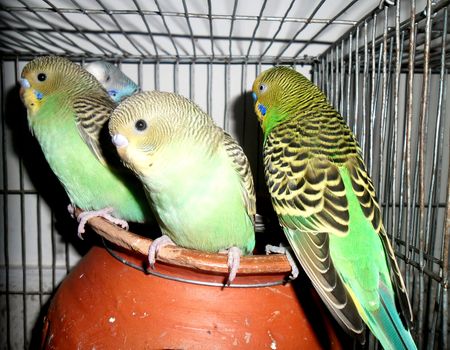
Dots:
(105, 304)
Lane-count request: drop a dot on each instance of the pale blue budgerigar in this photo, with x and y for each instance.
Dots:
(198, 179)
(116, 82)
(68, 111)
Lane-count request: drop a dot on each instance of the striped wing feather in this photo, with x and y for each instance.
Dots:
(91, 116)
(309, 197)
(302, 160)
(242, 167)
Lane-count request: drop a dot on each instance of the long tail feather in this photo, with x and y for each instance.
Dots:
(386, 325)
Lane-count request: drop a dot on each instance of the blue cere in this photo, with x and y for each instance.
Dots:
(254, 96)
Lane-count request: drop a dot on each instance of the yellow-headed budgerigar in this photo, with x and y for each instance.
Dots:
(117, 83)
(68, 111)
(197, 178)
(326, 204)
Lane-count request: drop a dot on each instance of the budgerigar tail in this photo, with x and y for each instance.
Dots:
(387, 326)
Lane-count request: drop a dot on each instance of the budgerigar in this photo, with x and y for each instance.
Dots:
(117, 83)
(197, 178)
(67, 111)
(326, 204)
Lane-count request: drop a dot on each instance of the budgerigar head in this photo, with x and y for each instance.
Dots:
(146, 123)
(117, 83)
(49, 76)
(277, 93)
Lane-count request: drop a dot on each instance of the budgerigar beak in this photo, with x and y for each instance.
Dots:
(119, 140)
(121, 143)
(24, 84)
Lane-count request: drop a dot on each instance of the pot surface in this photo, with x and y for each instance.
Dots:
(105, 304)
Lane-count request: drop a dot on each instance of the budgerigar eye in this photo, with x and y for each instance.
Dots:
(262, 87)
(41, 77)
(140, 125)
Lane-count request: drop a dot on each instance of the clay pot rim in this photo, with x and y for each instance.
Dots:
(189, 258)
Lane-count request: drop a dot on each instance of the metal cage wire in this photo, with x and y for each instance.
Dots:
(373, 79)
(385, 68)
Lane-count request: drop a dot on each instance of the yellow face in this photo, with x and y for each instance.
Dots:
(40, 78)
(149, 127)
(52, 75)
(276, 92)
(132, 136)
(257, 91)
(29, 99)
(263, 93)
(34, 88)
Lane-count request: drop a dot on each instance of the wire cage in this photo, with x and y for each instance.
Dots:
(383, 65)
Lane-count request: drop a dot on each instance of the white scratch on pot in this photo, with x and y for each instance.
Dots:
(279, 291)
(112, 319)
(247, 337)
(273, 344)
(163, 334)
(274, 315)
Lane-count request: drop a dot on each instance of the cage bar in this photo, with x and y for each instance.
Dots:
(383, 66)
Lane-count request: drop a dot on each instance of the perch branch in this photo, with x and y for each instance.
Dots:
(252, 264)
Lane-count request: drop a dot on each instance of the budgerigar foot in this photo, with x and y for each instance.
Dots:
(283, 250)
(233, 262)
(155, 246)
(71, 210)
(104, 213)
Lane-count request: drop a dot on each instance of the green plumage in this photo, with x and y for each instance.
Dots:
(327, 205)
(197, 178)
(67, 111)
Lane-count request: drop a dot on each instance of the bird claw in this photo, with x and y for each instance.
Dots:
(286, 251)
(104, 213)
(234, 259)
(71, 210)
(155, 246)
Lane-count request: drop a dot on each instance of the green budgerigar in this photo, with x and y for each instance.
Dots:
(67, 112)
(198, 179)
(326, 204)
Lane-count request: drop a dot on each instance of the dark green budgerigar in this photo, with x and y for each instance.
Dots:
(326, 204)
(67, 111)
(197, 177)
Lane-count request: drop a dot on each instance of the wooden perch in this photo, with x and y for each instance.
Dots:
(208, 262)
